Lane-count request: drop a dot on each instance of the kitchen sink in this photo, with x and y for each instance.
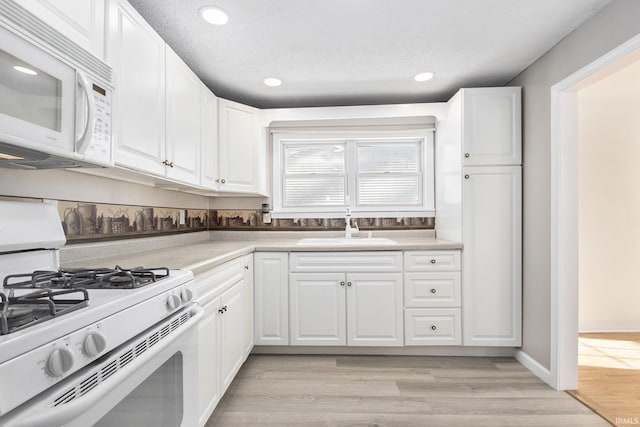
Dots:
(343, 241)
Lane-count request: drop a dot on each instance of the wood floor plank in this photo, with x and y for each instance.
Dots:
(609, 376)
(393, 391)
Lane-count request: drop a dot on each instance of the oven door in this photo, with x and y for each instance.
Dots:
(149, 381)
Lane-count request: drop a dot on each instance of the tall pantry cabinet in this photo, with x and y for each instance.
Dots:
(479, 202)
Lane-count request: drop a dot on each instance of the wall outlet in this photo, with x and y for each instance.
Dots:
(266, 218)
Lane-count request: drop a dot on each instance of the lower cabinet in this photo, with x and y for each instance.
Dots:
(222, 346)
(247, 262)
(271, 299)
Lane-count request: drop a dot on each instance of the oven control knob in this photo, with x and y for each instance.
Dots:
(60, 362)
(94, 344)
(173, 302)
(186, 294)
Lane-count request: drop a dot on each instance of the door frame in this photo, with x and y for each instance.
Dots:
(564, 209)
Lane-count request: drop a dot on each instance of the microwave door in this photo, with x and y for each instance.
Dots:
(37, 97)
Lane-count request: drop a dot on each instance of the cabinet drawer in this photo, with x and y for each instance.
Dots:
(345, 262)
(214, 281)
(436, 326)
(432, 289)
(432, 261)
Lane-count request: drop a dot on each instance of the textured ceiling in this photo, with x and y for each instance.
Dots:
(350, 52)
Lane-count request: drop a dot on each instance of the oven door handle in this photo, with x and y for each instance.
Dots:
(66, 413)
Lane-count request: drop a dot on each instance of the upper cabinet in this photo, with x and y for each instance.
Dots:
(239, 151)
(183, 131)
(491, 132)
(137, 54)
(82, 21)
(209, 138)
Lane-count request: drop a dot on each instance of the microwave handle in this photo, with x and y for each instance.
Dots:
(82, 143)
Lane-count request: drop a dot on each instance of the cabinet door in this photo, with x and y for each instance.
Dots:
(138, 56)
(209, 138)
(208, 361)
(231, 334)
(492, 256)
(82, 21)
(238, 147)
(374, 309)
(491, 133)
(183, 121)
(271, 288)
(248, 302)
(317, 308)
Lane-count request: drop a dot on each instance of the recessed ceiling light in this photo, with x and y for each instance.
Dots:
(214, 15)
(25, 70)
(272, 81)
(423, 77)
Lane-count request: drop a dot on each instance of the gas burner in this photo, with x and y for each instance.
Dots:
(98, 278)
(20, 312)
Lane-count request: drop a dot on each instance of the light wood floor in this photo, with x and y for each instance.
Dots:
(609, 376)
(309, 391)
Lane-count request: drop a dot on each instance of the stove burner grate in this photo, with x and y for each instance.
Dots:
(97, 278)
(20, 312)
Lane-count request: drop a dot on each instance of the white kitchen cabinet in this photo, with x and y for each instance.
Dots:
(137, 54)
(209, 138)
(81, 21)
(374, 309)
(356, 309)
(183, 96)
(491, 130)
(317, 304)
(271, 287)
(249, 332)
(232, 341)
(208, 360)
(492, 256)
(346, 298)
(239, 151)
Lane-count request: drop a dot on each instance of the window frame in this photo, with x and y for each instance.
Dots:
(425, 137)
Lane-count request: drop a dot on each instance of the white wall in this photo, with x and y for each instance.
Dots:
(69, 185)
(615, 24)
(609, 207)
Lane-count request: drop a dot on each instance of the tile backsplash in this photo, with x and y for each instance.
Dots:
(86, 222)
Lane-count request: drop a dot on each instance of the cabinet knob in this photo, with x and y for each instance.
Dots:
(433, 291)
(246, 267)
(348, 283)
(433, 261)
(433, 327)
(467, 155)
(467, 177)
(222, 180)
(218, 181)
(342, 283)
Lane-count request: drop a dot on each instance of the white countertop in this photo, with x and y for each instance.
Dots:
(203, 254)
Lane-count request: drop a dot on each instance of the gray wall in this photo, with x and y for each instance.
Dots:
(614, 25)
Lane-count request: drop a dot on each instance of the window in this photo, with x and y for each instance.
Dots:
(373, 173)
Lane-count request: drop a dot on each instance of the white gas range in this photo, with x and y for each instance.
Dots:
(79, 347)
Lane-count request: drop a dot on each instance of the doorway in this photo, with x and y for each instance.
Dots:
(564, 209)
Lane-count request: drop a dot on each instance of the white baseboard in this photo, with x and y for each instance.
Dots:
(531, 364)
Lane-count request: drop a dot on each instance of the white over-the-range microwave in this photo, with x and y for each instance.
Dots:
(55, 110)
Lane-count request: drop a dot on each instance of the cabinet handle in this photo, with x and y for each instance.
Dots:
(168, 163)
(222, 180)
(433, 291)
(433, 261)
(467, 177)
(246, 267)
(348, 283)
(467, 155)
(342, 283)
(433, 327)
(221, 311)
